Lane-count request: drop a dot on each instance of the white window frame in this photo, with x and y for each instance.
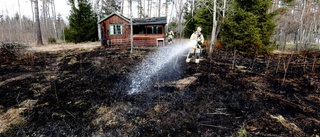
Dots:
(115, 29)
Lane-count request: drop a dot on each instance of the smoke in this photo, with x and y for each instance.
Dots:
(151, 66)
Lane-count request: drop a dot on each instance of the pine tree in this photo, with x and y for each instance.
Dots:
(249, 28)
(190, 23)
(83, 23)
(201, 15)
(203, 18)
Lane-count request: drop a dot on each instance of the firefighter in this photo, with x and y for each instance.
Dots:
(170, 36)
(196, 49)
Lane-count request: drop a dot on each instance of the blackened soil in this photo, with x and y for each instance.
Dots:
(84, 93)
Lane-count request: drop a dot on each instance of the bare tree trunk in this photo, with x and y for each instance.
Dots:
(166, 15)
(122, 7)
(159, 8)
(179, 7)
(33, 28)
(20, 15)
(144, 10)
(44, 12)
(10, 28)
(139, 10)
(149, 10)
(21, 30)
(274, 5)
(44, 21)
(140, 13)
(38, 28)
(224, 8)
(284, 42)
(131, 28)
(97, 7)
(171, 12)
(192, 9)
(315, 27)
(309, 37)
(53, 7)
(318, 41)
(2, 31)
(214, 26)
(301, 26)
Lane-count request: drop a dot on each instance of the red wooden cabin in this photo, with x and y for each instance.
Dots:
(115, 30)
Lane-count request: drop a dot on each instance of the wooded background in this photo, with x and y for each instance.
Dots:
(294, 24)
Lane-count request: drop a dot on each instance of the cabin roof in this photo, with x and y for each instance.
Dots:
(114, 13)
(139, 21)
(152, 21)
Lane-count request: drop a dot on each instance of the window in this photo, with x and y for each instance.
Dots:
(154, 29)
(139, 29)
(115, 29)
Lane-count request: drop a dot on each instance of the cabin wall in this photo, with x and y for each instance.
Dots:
(124, 39)
(115, 39)
(146, 39)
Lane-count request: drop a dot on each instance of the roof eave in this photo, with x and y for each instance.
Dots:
(149, 23)
(113, 13)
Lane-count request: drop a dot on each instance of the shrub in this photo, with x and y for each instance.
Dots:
(242, 132)
(11, 48)
(52, 40)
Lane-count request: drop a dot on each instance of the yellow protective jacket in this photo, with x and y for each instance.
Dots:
(196, 37)
(170, 34)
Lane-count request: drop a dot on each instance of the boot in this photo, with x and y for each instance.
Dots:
(188, 60)
(197, 60)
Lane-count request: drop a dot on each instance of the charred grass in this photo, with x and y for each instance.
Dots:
(84, 93)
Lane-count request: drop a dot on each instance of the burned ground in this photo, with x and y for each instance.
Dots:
(84, 93)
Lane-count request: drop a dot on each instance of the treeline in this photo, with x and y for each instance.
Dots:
(246, 26)
(252, 27)
(21, 29)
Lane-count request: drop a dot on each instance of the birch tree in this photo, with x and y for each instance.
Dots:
(301, 29)
(97, 8)
(214, 26)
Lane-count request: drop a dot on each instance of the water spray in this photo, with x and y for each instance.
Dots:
(151, 66)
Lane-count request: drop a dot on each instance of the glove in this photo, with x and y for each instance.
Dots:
(199, 42)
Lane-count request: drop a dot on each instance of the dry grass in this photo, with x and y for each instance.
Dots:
(65, 46)
(9, 118)
(185, 82)
(290, 125)
(105, 115)
(15, 116)
(282, 52)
